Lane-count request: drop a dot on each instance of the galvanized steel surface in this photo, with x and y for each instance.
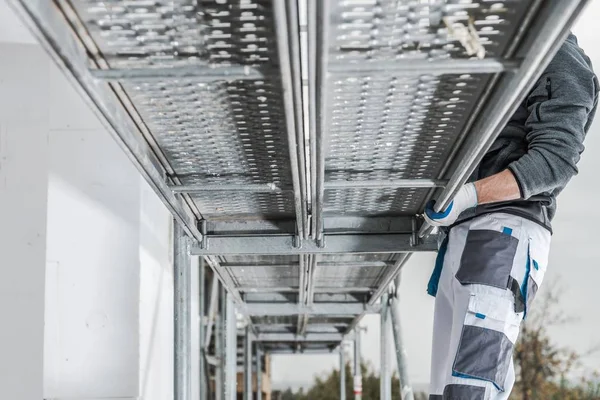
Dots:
(211, 88)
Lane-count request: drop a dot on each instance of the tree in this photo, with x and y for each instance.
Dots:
(541, 366)
(327, 388)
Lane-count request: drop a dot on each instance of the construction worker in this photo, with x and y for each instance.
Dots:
(495, 254)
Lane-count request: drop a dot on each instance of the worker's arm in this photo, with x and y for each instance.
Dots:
(496, 188)
(499, 187)
(560, 107)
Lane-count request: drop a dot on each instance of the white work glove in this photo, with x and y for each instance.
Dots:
(464, 199)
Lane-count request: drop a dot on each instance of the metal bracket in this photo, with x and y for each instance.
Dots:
(414, 239)
(297, 241)
(321, 242)
(203, 230)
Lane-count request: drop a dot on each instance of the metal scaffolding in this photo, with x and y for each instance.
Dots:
(182, 275)
(385, 374)
(259, 372)
(296, 142)
(248, 364)
(406, 391)
(342, 373)
(357, 381)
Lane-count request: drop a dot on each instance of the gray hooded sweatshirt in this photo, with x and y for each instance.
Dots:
(543, 141)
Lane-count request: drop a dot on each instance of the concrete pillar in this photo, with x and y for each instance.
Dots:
(24, 98)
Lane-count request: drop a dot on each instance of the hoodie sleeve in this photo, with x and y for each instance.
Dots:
(561, 107)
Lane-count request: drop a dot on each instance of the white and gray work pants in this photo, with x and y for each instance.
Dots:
(492, 268)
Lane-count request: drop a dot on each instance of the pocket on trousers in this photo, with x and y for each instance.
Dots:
(487, 258)
(535, 275)
(487, 340)
(463, 392)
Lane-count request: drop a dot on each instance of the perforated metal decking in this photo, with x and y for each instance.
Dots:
(297, 142)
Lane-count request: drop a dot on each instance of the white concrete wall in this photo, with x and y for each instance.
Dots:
(109, 307)
(11, 28)
(92, 344)
(23, 186)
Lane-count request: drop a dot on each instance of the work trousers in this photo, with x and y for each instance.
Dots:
(493, 266)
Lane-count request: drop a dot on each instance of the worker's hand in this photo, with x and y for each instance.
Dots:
(464, 199)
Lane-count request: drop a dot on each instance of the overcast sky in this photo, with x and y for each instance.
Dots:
(573, 262)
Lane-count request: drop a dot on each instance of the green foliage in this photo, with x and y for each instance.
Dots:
(541, 365)
(328, 387)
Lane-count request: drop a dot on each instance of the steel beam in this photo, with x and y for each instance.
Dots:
(322, 79)
(333, 224)
(54, 33)
(330, 185)
(213, 308)
(327, 349)
(220, 350)
(310, 42)
(303, 266)
(238, 188)
(230, 349)
(280, 309)
(347, 224)
(248, 364)
(226, 280)
(353, 264)
(385, 184)
(212, 360)
(339, 297)
(383, 286)
(395, 313)
(284, 244)
(258, 372)
(385, 378)
(293, 131)
(198, 73)
(511, 89)
(202, 373)
(388, 278)
(357, 383)
(292, 32)
(342, 373)
(292, 289)
(309, 285)
(183, 315)
(424, 67)
(292, 337)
